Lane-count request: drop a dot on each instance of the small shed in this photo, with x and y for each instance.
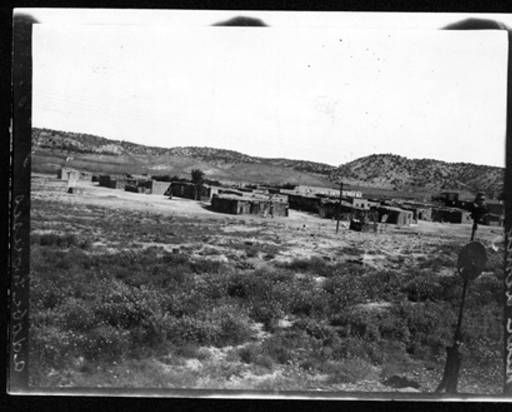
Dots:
(71, 174)
(395, 215)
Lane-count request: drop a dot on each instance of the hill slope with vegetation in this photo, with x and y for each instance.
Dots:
(400, 173)
(387, 171)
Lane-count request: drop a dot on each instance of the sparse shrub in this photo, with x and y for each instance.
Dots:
(188, 329)
(49, 345)
(45, 295)
(187, 350)
(104, 342)
(77, 315)
(357, 347)
(234, 325)
(486, 288)
(256, 290)
(300, 297)
(250, 286)
(64, 241)
(48, 239)
(251, 251)
(278, 349)
(437, 261)
(347, 370)
(291, 345)
(264, 360)
(482, 332)
(430, 326)
(249, 353)
(319, 330)
(225, 325)
(208, 266)
(344, 291)
(423, 286)
(252, 354)
(381, 285)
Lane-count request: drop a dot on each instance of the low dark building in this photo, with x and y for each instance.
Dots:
(237, 205)
(495, 207)
(395, 215)
(304, 203)
(455, 199)
(188, 190)
(451, 215)
(492, 219)
(117, 182)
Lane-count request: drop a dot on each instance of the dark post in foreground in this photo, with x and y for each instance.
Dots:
(339, 209)
(471, 262)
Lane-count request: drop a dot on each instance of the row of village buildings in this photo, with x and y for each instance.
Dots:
(270, 201)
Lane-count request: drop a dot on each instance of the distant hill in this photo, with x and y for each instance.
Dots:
(101, 155)
(390, 171)
(382, 171)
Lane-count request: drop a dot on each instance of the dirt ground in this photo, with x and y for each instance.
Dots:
(300, 234)
(279, 240)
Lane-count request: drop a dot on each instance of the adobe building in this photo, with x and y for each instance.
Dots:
(454, 198)
(496, 207)
(71, 174)
(394, 215)
(147, 186)
(117, 182)
(188, 190)
(329, 209)
(420, 211)
(451, 215)
(359, 203)
(237, 205)
(304, 203)
(159, 188)
(492, 219)
(325, 191)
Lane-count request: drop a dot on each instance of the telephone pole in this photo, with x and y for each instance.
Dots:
(339, 209)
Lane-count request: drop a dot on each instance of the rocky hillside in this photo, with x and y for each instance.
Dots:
(383, 171)
(400, 173)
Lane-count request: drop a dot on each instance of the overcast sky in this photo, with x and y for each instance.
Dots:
(303, 88)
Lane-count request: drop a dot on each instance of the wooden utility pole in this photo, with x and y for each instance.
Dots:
(339, 209)
(453, 356)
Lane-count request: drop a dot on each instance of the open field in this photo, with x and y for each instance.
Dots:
(134, 290)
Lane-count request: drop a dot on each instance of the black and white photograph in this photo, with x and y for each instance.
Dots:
(267, 202)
